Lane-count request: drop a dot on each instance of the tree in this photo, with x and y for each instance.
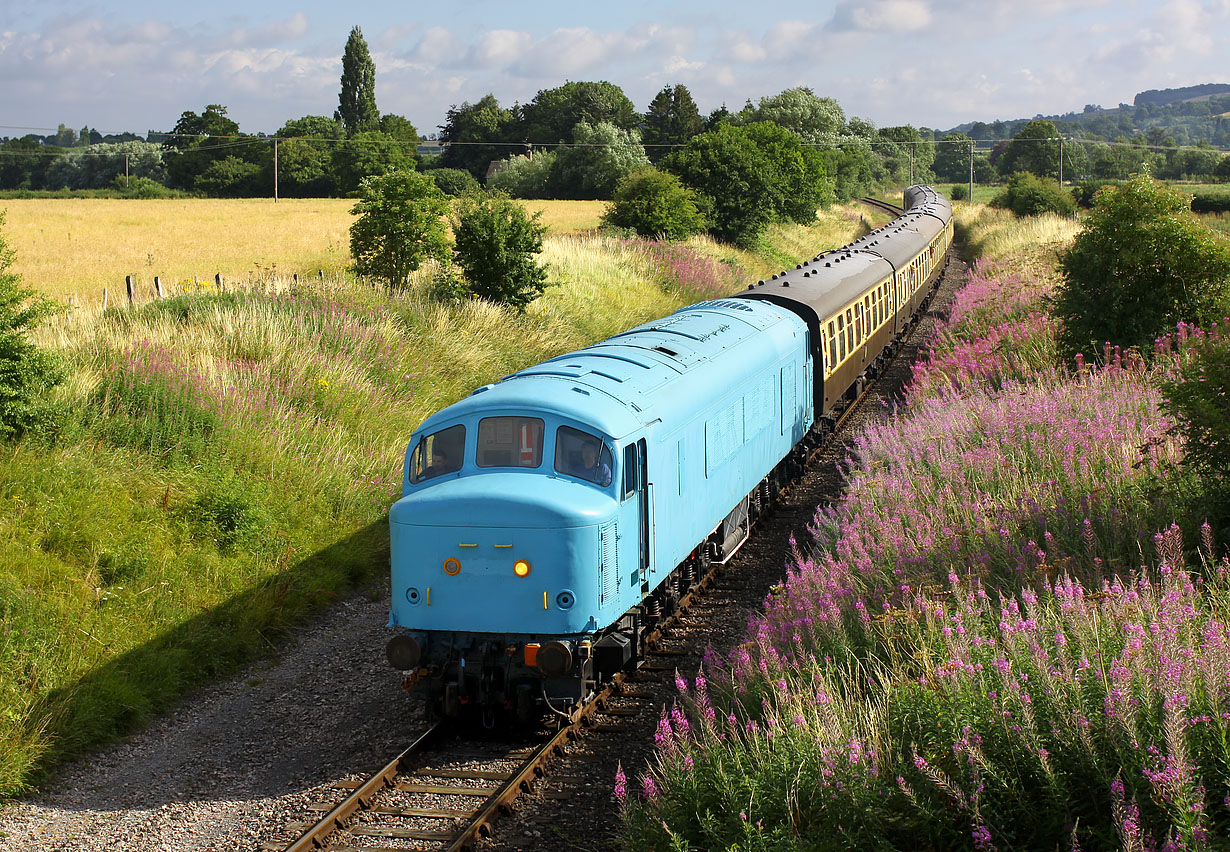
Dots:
(197, 141)
(801, 110)
(553, 113)
(524, 177)
(600, 155)
(368, 153)
(454, 182)
(1030, 195)
(672, 119)
(798, 177)
(1035, 148)
(27, 372)
(467, 124)
(357, 101)
(733, 178)
(655, 204)
(495, 244)
(952, 157)
(96, 166)
(305, 167)
(400, 225)
(909, 160)
(1142, 263)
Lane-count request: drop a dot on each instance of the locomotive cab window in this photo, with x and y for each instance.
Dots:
(437, 454)
(630, 466)
(509, 442)
(582, 455)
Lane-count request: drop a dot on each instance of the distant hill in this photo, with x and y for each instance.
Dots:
(1191, 115)
(1160, 97)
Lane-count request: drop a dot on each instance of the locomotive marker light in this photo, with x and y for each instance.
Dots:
(521, 568)
(452, 566)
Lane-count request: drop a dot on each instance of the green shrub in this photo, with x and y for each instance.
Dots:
(524, 177)
(1200, 403)
(1142, 264)
(655, 204)
(453, 182)
(27, 373)
(400, 225)
(142, 187)
(959, 192)
(1211, 202)
(496, 241)
(1085, 191)
(1030, 195)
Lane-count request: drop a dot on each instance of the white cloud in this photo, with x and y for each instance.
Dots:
(880, 16)
(501, 47)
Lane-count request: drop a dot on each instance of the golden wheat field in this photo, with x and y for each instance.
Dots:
(76, 247)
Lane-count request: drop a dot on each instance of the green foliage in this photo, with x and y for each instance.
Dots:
(525, 177)
(952, 157)
(1222, 170)
(1085, 191)
(198, 141)
(357, 99)
(370, 153)
(453, 182)
(400, 225)
(553, 113)
(495, 243)
(1211, 202)
(749, 176)
(1029, 195)
(27, 373)
(96, 166)
(655, 204)
(229, 177)
(484, 121)
(1199, 400)
(1035, 148)
(142, 187)
(600, 156)
(671, 119)
(1142, 264)
(800, 110)
(959, 192)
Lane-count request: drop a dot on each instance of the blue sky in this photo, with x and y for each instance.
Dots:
(136, 65)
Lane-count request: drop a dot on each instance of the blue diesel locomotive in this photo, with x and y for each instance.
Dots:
(548, 520)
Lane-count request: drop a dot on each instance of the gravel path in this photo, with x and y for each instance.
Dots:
(242, 759)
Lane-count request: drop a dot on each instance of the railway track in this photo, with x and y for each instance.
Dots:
(881, 205)
(438, 794)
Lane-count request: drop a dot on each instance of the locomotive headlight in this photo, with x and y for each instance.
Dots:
(452, 566)
(403, 652)
(521, 568)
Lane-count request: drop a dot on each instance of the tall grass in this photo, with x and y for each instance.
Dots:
(225, 463)
(995, 640)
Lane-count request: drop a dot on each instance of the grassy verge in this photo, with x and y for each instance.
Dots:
(996, 640)
(225, 462)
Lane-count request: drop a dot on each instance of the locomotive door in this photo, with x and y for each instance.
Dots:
(634, 514)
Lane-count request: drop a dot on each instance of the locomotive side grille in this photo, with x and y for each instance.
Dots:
(606, 578)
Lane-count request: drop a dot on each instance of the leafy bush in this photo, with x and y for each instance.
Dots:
(496, 241)
(142, 187)
(400, 225)
(1085, 191)
(1030, 195)
(1211, 202)
(27, 373)
(524, 177)
(959, 192)
(655, 204)
(453, 182)
(1142, 264)
(601, 155)
(1200, 403)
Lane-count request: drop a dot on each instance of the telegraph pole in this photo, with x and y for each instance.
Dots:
(275, 170)
(971, 171)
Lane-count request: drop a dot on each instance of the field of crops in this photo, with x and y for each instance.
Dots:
(79, 246)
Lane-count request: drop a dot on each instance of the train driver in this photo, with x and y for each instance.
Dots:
(590, 467)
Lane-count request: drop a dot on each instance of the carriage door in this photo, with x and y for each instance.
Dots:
(636, 508)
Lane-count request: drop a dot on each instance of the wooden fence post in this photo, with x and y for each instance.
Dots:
(104, 298)
(321, 273)
(128, 286)
(218, 280)
(158, 286)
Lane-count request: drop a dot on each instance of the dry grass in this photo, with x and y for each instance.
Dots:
(996, 233)
(77, 246)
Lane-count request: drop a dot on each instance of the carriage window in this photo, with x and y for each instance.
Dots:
(841, 336)
(438, 453)
(582, 455)
(832, 347)
(858, 324)
(509, 442)
(867, 312)
(849, 330)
